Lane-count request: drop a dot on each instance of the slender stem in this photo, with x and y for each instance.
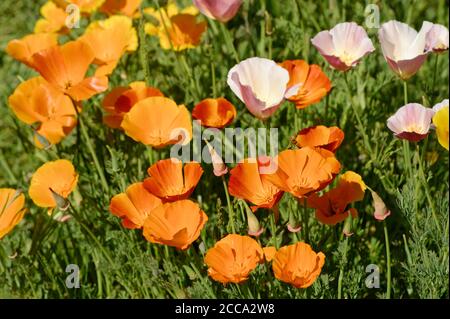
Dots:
(436, 59)
(143, 52)
(360, 125)
(213, 77)
(427, 191)
(77, 217)
(341, 271)
(182, 59)
(407, 157)
(230, 208)
(4, 164)
(405, 92)
(90, 147)
(406, 152)
(229, 42)
(305, 220)
(150, 155)
(273, 230)
(388, 261)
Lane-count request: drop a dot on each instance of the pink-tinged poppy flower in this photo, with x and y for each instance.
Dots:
(261, 84)
(411, 122)
(221, 10)
(403, 47)
(344, 45)
(437, 38)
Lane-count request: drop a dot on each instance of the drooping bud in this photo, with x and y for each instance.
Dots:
(219, 166)
(381, 211)
(293, 226)
(254, 228)
(348, 226)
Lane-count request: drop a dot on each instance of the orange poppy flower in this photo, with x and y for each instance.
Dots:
(11, 209)
(178, 32)
(314, 84)
(304, 171)
(269, 253)
(158, 121)
(108, 52)
(233, 258)
(52, 183)
(176, 224)
(53, 21)
(331, 207)
(121, 99)
(52, 114)
(23, 49)
(329, 138)
(85, 6)
(65, 67)
(134, 206)
(125, 7)
(170, 181)
(298, 265)
(216, 113)
(246, 182)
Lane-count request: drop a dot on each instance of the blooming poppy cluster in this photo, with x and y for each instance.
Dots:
(161, 205)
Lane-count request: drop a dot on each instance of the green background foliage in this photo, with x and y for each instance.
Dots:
(119, 263)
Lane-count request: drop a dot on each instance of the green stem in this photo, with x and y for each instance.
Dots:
(191, 77)
(341, 271)
(406, 151)
(143, 52)
(230, 208)
(229, 42)
(90, 147)
(213, 77)
(4, 164)
(427, 191)
(150, 155)
(388, 261)
(305, 220)
(436, 59)
(273, 230)
(360, 125)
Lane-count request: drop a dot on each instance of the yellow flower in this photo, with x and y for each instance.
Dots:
(86, 6)
(177, 29)
(110, 39)
(440, 120)
(11, 209)
(126, 25)
(53, 19)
